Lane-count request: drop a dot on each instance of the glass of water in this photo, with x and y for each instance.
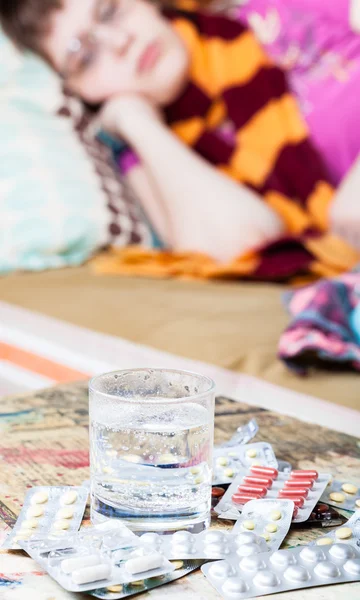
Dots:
(151, 442)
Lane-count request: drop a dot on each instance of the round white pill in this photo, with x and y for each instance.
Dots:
(266, 536)
(248, 550)
(220, 570)
(73, 564)
(69, 497)
(312, 554)
(24, 534)
(178, 564)
(266, 579)
(233, 585)
(251, 453)
(115, 589)
(229, 472)
(34, 511)
(326, 570)
(325, 541)
(61, 525)
(296, 573)
(344, 533)
(30, 524)
(40, 498)
(357, 502)
(282, 558)
(222, 461)
(195, 470)
(144, 564)
(271, 528)
(91, 574)
(337, 497)
(341, 551)
(349, 488)
(65, 513)
(275, 515)
(252, 563)
(352, 566)
(248, 525)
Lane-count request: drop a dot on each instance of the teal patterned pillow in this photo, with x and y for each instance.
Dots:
(54, 205)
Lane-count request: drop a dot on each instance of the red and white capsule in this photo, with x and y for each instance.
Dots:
(261, 481)
(264, 471)
(299, 483)
(304, 474)
(299, 502)
(300, 492)
(253, 489)
(238, 498)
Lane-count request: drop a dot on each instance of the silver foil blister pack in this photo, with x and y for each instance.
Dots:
(342, 494)
(227, 462)
(260, 574)
(269, 519)
(211, 544)
(118, 592)
(100, 556)
(48, 511)
(239, 492)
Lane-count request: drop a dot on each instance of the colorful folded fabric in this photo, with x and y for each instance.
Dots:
(323, 330)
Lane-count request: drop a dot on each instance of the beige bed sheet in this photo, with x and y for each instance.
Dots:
(233, 325)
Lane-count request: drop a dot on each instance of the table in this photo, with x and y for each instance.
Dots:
(44, 441)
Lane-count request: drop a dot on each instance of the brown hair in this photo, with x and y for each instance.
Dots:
(26, 21)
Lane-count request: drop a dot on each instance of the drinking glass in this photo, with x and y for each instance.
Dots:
(151, 442)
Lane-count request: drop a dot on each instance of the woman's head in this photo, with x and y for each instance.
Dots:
(103, 47)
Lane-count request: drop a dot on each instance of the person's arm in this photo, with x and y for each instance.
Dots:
(203, 209)
(140, 182)
(345, 210)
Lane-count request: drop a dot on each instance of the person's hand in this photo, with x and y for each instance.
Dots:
(126, 113)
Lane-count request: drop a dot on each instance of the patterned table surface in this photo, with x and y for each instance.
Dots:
(44, 441)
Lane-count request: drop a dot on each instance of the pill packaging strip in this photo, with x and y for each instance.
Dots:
(227, 509)
(211, 544)
(96, 557)
(270, 519)
(342, 494)
(227, 462)
(117, 592)
(53, 510)
(348, 533)
(243, 435)
(283, 570)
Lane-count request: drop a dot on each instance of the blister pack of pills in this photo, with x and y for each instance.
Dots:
(227, 462)
(270, 519)
(243, 435)
(117, 592)
(209, 544)
(349, 533)
(304, 488)
(53, 510)
(342, 494)
(97, 556)
(283, 570)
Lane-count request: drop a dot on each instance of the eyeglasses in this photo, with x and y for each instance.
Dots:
(84, 50)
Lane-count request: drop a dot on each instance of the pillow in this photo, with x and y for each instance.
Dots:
(60, 195)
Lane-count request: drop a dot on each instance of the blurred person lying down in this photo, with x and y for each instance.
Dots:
(225, 165)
